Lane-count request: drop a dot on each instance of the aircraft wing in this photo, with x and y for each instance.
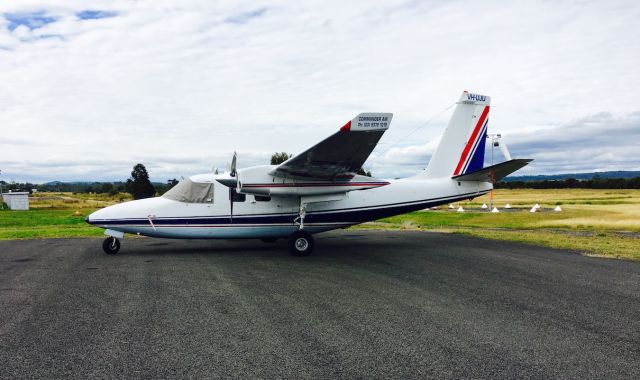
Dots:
(341, 154)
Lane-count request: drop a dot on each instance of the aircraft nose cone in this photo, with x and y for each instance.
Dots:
(89, 218)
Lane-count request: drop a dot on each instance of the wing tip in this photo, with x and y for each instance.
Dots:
(368, 121)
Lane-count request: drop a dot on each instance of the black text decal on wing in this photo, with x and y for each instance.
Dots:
(341, 154)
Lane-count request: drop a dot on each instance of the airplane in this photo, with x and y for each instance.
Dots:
(317, 190)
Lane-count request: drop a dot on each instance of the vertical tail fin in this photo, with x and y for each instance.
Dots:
(461, 149)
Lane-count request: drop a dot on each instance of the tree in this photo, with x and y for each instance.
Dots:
(163, 188)
(106, 188)
(139, 185)
(278, 158)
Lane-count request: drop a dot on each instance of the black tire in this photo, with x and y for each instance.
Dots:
(301, 243)
(269, 240)
(111, 245)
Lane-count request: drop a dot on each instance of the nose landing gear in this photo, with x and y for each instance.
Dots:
(111, 245)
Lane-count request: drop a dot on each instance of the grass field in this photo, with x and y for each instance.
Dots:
(596, 222)
(55, 215)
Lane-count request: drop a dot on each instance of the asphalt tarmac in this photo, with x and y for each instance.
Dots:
(364, 305)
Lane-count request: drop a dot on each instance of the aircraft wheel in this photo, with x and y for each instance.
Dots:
(269, 240)
(301, 243)
(111, 245)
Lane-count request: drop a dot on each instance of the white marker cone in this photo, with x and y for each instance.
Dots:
(558, 209)
(507, 206)
(495, 209)
(484, 205)
(536, 206)
(533, 209)
(460, 209)
(451, 206)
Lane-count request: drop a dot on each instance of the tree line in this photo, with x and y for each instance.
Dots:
(139, 185)
(571, 183)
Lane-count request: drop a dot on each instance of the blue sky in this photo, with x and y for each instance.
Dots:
(88, 91)
(31, 20)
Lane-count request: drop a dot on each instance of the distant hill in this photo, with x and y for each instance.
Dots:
(579, 176)
(58, 183)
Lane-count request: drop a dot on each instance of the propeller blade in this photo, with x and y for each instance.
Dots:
(231, 204)
(233, 165)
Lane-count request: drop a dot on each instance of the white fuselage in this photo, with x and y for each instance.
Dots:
(278, 217)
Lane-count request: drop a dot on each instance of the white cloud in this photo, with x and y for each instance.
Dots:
(599, 142)
(180, 85)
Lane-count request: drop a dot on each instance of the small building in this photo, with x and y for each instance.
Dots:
(16, 201)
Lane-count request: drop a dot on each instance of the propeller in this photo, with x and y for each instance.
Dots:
(232, 181)
(233, 165)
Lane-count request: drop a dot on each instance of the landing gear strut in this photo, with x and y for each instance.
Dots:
(111, 245)
(301, 243)
(301, 215)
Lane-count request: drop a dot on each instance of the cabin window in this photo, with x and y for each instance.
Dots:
(191, 192)
(237, 197)
(262, 198)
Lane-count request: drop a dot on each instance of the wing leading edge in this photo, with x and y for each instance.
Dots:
(341, 154)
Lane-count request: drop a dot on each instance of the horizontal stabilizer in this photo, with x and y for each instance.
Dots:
(494, 173)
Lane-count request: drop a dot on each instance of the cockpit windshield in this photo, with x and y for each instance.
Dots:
(191, 192)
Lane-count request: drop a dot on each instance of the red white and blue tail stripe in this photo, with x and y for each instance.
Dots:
(472, 157)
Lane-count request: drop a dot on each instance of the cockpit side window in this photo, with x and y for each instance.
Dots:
(191, 192)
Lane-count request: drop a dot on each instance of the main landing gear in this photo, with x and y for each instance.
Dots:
(111, 245)
(301, 243)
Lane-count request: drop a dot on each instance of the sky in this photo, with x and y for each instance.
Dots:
(89, 89)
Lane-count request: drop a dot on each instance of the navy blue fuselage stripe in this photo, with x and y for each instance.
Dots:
(476, 161)
(347, 216)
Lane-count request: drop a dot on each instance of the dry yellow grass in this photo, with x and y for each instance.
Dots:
(602, 223)
(526, 197)
(70, 201)
(582, 208)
